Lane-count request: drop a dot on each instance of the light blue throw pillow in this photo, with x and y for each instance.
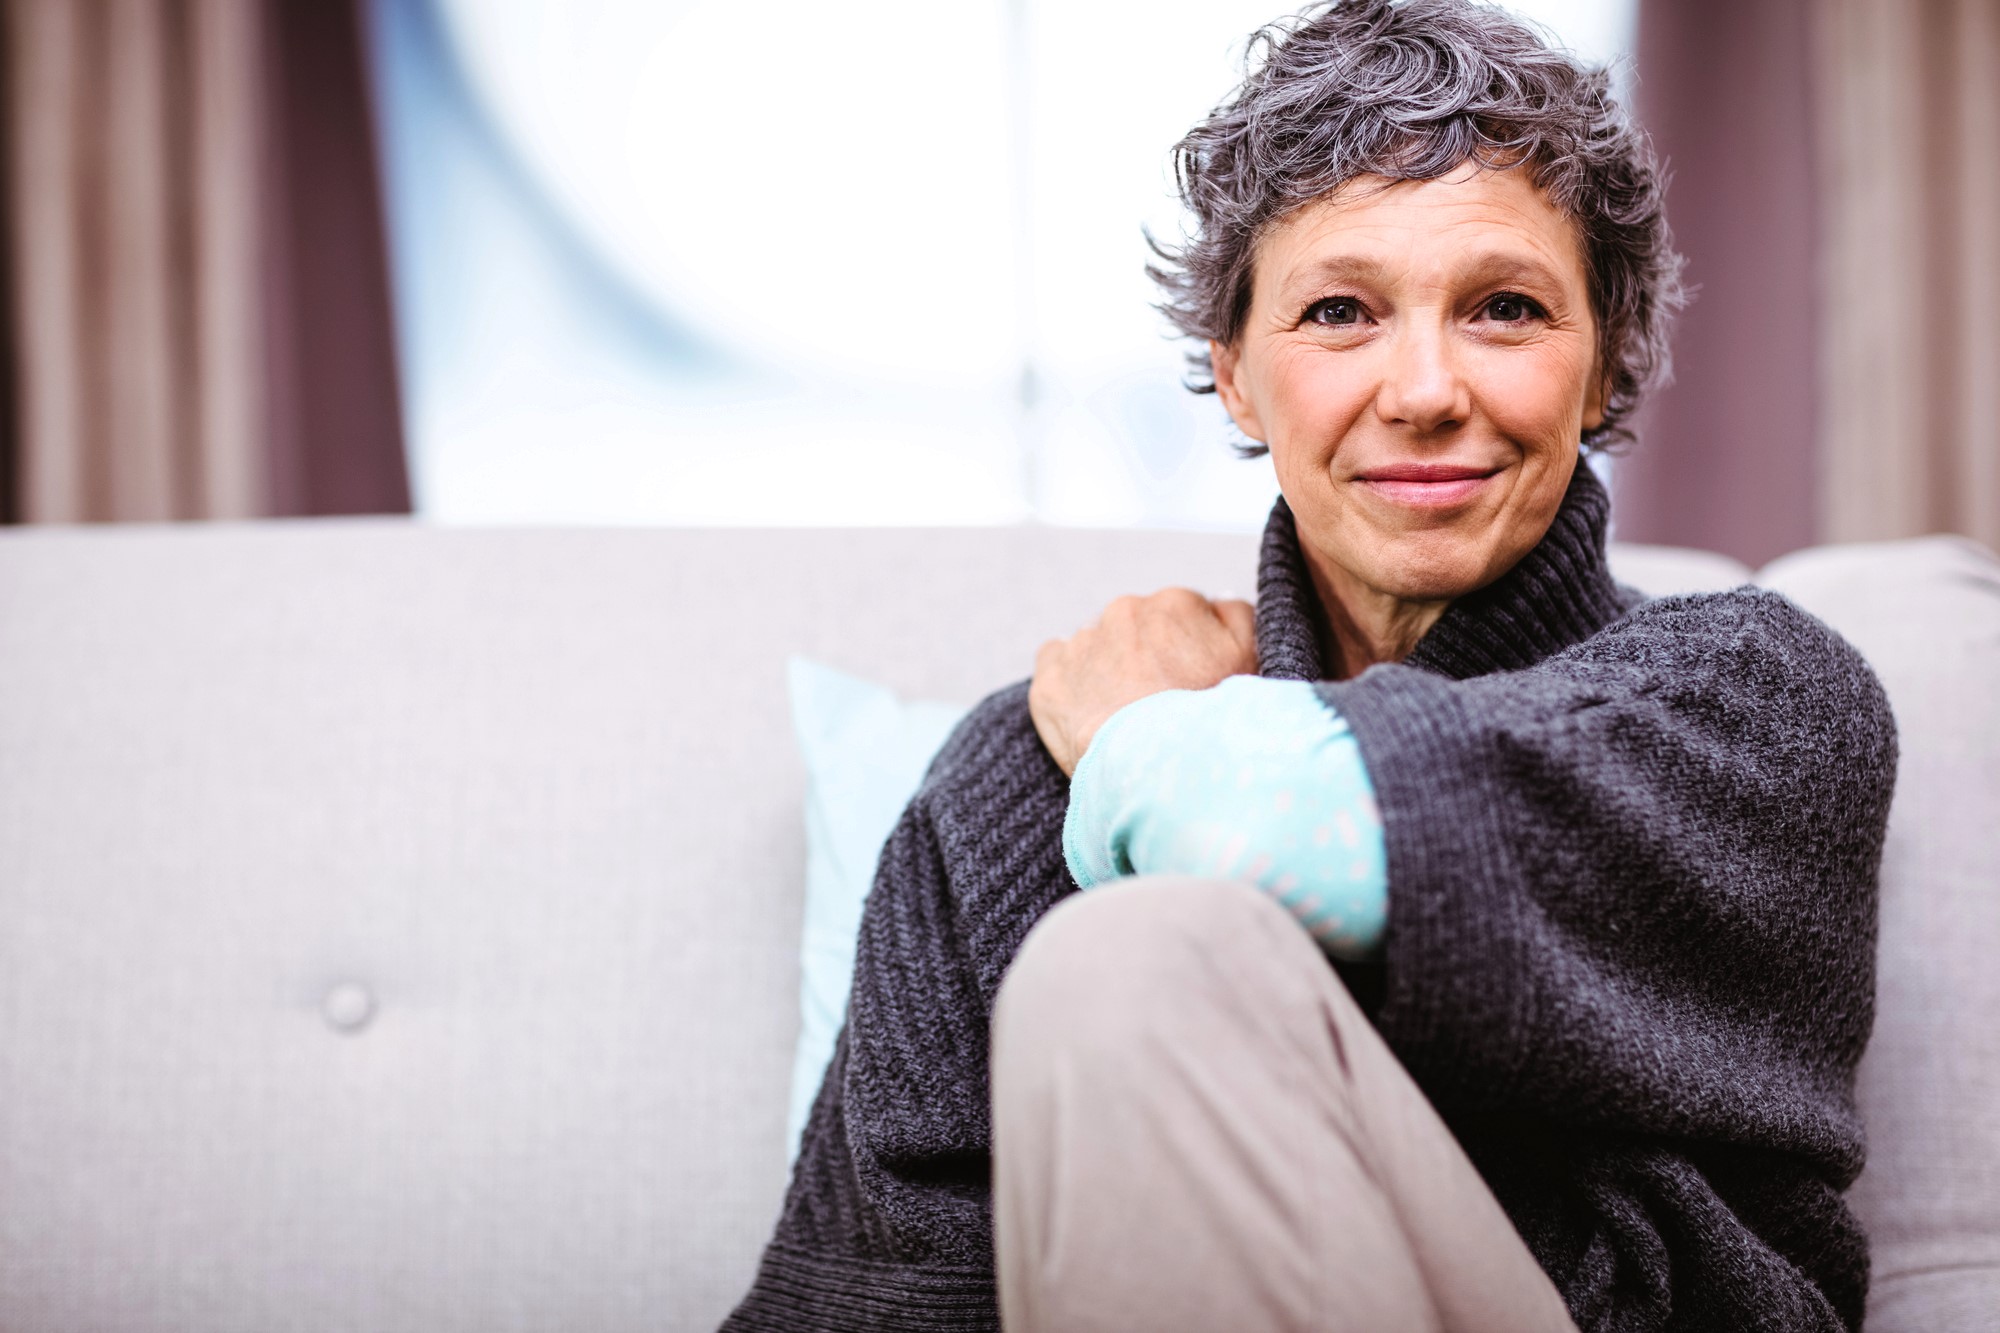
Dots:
(866, 751)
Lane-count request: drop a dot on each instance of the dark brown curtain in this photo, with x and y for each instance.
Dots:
(196, 275)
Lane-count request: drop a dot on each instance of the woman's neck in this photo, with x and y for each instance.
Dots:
(1359, 626)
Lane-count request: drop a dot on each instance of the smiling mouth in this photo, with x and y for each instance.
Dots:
(1426, 485)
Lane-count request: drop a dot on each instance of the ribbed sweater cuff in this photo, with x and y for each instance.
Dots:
(796, 1292)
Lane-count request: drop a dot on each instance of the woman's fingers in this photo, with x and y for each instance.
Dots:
(1240, 618)
(1171, 639)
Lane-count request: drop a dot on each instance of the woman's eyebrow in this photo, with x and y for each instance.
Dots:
(1333, 268)
(1509, 266)
(1478, 269)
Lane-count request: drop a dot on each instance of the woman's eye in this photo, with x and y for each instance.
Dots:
(1335, 310)
(1511, 308)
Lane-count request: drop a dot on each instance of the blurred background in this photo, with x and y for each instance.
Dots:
(695, 262)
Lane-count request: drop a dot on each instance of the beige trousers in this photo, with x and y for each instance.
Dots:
(1196, 1130)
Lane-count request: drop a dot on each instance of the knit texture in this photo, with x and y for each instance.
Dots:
(1633, 851)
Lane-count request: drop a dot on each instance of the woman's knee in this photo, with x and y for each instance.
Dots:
(1152, 955)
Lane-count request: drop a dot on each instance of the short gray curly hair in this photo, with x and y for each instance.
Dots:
(1410, 90)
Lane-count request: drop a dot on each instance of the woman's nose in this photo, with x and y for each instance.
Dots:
(1421, 386)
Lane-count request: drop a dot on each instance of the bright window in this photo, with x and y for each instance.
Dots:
(800, 263)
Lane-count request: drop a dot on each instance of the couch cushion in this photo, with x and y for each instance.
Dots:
(399, 927)
(1927, 616)
(1661, 571)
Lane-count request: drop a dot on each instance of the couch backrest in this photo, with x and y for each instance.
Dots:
(398, 927)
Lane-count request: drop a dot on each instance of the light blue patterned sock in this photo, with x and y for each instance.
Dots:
(1253, 779)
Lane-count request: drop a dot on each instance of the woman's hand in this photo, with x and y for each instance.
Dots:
(1175, 639)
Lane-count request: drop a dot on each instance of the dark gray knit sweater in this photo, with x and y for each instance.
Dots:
(1630, 953)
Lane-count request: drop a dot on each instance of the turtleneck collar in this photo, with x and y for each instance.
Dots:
(1560, 593)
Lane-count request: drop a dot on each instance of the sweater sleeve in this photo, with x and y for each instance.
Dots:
(1252, 779)
(1636, 883)
(1630, 952)
(887, 1223)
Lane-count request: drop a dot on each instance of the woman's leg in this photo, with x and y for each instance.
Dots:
(1196, 1129)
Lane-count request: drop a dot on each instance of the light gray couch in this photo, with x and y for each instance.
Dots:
(398, 926)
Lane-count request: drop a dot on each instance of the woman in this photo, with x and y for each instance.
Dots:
(1596, 875)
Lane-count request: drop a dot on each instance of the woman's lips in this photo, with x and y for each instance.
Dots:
(1426, 485)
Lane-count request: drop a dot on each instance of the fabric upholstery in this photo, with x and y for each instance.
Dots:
(537, 793)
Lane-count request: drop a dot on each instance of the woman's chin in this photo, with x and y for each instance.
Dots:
(1426, 566)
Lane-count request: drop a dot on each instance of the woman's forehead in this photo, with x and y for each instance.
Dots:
(1475, 224)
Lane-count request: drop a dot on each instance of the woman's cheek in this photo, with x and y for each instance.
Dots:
(1324, 395)
(1535, 396)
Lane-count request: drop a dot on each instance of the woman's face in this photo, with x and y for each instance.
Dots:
(1421, 358)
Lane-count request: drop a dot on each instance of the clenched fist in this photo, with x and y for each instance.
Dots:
(1175, 639)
